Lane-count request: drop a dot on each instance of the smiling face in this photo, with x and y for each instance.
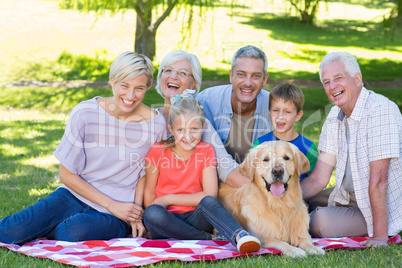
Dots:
(275, 166)
(176, 78)
(128, 95)
(247, 78)
(283, 116)
(341, 88)
(187, 131)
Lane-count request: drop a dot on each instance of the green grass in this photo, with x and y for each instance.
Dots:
(31, 130)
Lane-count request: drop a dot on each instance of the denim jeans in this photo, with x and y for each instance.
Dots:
(197, 224)
(61, 216)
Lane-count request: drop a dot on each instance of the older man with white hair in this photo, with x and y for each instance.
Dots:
(362, 138)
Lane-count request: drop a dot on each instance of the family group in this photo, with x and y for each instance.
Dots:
(127, 168)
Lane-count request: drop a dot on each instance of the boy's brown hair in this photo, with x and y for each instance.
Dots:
(287, 92)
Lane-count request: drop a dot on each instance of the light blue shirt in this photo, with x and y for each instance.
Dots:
(218, 109)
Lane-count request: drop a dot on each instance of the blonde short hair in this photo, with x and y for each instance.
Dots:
(128, 65)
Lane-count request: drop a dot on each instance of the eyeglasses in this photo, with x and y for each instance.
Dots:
(180, 73)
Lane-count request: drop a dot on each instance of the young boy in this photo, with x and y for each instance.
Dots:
(285, 108)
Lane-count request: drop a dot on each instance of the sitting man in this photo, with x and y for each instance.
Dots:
(362, 137)
(239, 112)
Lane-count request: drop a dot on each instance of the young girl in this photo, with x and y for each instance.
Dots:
(182, 185)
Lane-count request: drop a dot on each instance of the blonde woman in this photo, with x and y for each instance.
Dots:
(101, 164)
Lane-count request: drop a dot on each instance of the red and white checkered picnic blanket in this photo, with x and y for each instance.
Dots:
(124, 252)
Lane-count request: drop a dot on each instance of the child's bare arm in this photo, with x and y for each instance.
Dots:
(139, 192)
(209, 185)
(137, 226)
(151, 179)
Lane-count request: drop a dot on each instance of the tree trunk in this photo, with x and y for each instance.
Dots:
(307, 18)
(145, 40)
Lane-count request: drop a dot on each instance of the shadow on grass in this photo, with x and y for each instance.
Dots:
(371, 4)
(23, 179)
(61, 99)
(67, 67)
(50, 98)
(372, 69)
(334, 33)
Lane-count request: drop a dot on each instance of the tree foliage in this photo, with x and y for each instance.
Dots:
(392, 23)
(306, 8)
(150, 15)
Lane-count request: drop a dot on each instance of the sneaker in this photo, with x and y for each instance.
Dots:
(247, 243)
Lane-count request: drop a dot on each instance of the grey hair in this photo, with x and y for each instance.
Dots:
(128, 65)
(348, 60)
(250, 52)
(185, 106)
(178, 55)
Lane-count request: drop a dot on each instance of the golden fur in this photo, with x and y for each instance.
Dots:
(280, 221)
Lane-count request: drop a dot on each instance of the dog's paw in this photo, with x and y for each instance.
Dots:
(315, 250)
(294, 252)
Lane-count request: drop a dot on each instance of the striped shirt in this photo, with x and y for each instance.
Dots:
(375, 127)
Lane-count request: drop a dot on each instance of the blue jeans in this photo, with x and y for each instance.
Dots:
(193, 225)
(61, 216)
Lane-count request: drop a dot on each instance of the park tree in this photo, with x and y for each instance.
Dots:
(150, 15)
(392, 23)
(306, 8)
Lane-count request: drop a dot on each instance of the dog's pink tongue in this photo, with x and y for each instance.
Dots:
(277, 188)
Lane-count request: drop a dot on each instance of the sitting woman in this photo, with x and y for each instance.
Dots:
(101, 164)
(178, 71)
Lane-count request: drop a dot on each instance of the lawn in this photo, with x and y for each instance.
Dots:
(41, 42)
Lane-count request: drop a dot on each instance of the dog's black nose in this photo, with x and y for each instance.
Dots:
(277, 171)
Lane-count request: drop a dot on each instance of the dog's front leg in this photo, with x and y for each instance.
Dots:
(286, 249)
(308, 246)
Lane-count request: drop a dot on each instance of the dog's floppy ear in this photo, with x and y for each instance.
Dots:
(247, 167)
(304, 164)
(301, 161)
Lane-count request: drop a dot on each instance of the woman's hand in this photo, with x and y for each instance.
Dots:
(138, 228)
(126, 211)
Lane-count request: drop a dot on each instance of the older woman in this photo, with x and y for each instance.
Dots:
(178, 71)
(101, 163)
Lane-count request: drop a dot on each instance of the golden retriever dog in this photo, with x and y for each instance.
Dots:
(270, 206)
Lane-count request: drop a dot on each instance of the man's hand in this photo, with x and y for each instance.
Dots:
(375, 242)
(236, 179)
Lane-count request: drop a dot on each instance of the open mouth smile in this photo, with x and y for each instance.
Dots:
(248, 91)
(280, 125)
(128, 102)
(277, 188)
(337, 94)
(174, 86)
